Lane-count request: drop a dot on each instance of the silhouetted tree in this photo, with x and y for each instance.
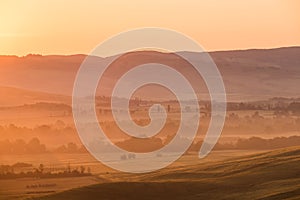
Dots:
(41, 168)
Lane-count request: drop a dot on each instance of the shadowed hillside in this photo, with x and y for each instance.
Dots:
(270, 175)
(248, 74)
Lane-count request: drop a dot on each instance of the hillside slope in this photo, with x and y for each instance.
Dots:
(248, 74)
(266, 176)
(10, 96)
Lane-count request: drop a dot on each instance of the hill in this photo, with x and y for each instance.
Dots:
(248, 74)
(265, 176)
(11, 96)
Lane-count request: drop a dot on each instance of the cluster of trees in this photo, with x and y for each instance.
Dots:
(257, 143)
(53, 134)
(252, 143)
(129, 156)
(70, 148)
(19, 146)
(275, 104)
(34, 146)
(8, 171)
(256, 123)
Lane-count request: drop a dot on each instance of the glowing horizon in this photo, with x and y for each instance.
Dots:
(51, 27)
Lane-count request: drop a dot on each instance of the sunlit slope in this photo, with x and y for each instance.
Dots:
(271, 175)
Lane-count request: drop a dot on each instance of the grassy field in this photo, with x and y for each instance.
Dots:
(268, 175)
(19, 188)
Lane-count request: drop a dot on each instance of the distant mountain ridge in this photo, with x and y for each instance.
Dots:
(248, 74)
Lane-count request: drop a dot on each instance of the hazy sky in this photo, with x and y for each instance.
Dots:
(53, 27)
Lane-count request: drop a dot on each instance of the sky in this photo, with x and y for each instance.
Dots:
(77, 27)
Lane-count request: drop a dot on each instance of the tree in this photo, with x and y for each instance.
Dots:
(41, 168)
(82, 169)
(89, 170)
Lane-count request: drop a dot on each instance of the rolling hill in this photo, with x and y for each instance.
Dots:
(264, 176)
(248, 74)
(10, 96)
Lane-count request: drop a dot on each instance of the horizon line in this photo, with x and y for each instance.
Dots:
(213, 51)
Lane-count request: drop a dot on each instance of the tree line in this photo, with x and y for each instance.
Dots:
(34, 146)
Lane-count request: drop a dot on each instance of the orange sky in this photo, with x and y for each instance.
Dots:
(52, 27)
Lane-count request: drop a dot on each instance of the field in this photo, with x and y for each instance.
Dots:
(30, 187)
(256, 157)
(18, 187)
(222, 175)
(265, 176)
